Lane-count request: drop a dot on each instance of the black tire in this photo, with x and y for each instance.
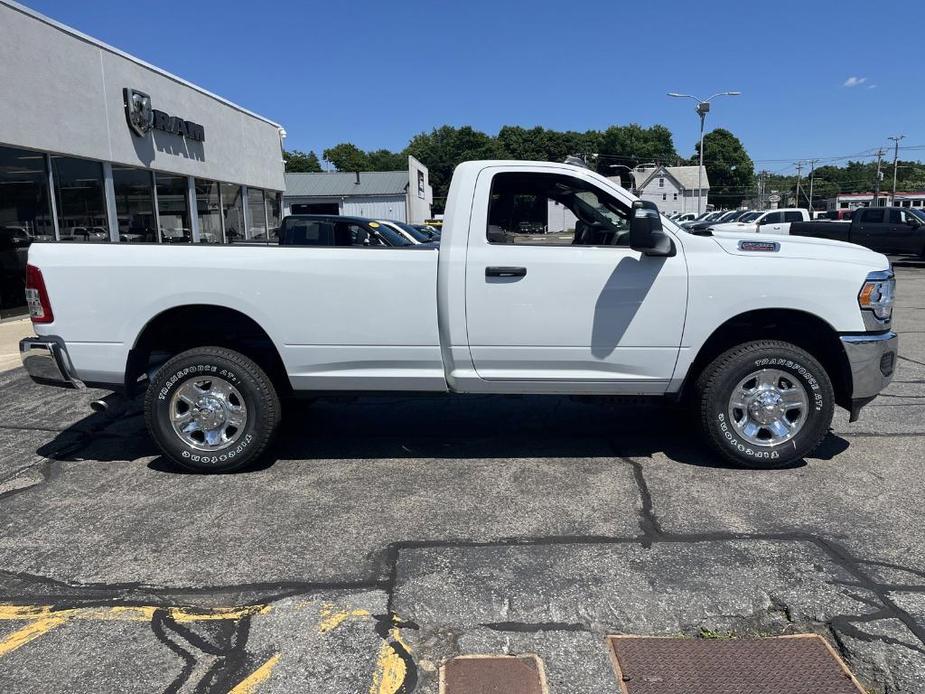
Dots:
(717, 382)
(260, 400)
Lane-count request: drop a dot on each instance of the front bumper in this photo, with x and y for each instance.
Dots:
(47, 362)
(872, 359)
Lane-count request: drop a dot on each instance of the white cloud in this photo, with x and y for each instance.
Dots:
(854, 81)
(871, 86)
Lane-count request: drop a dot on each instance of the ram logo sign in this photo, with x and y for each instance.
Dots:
(138, 111)
(142, 118)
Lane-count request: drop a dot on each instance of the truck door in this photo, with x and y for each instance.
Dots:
(871, 229)
(554, 294)
(903, 232)
(771, 223)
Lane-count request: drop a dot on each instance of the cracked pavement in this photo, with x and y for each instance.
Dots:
(390, 534)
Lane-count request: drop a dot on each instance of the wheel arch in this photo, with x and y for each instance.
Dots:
(183, 327)
(805, 330)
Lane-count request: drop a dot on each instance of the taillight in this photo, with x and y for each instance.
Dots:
(37, 296)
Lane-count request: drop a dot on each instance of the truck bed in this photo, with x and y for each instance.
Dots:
(331, 312)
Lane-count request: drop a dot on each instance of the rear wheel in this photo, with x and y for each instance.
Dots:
(212, 409)
(765, 404)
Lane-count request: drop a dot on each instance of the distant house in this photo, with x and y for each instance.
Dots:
(672, 188)
(405, 196)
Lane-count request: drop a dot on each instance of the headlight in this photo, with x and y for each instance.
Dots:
(877, 295)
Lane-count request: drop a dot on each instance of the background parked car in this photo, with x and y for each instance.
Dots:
(335, 230)
(409, 231)
(767, 222)
(883, 229)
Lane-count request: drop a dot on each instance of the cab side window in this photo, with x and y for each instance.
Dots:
(872, 215)
(793, 217)
(539, 209)
(773, 218)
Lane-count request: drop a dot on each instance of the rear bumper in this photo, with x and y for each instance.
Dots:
(872, 359)
(47, 362)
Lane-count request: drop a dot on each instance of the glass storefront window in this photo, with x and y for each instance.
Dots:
(134, 189)
(25, 216)
(257, 213)
(173, 208)
(273, 205)
(233, 212)
(80, 200)
(209, 211)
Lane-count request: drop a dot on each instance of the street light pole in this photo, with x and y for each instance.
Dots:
(703, 108)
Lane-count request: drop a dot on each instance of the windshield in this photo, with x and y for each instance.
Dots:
(414, 233)
(917, 212)
(391, 236)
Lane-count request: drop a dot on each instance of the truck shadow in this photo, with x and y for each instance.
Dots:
(438, 427)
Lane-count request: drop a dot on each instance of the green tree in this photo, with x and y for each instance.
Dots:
(347, 157)
(632, 144)
(386, 160)
(301, 162)
(729, 168)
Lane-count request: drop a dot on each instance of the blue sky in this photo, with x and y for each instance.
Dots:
(814, 83)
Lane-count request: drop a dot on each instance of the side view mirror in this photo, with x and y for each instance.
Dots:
(646, 232)
(913, 222)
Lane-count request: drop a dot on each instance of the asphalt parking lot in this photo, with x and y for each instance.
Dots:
(391, 534)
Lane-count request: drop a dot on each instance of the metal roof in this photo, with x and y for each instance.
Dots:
(138, 61)
(344, 183)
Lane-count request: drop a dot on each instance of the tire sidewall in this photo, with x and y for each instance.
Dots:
(804, 369)
(177, 372)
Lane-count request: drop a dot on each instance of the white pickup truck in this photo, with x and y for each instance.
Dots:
(762, 337)
(767, 222)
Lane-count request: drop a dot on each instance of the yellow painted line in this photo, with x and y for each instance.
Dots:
(141, 613)
(390, 668)
(30, 632)
(331, 618)
(249, 683)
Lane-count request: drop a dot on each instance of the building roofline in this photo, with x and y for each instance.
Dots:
(12, 4)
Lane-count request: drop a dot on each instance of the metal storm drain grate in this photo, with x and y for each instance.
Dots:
(493, 674)
(794, 664)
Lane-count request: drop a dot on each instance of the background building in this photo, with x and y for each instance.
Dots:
(405, 196)
(672, 188)
(97, 145)
(850, 201)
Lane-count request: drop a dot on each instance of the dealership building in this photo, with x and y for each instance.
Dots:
(97, 145)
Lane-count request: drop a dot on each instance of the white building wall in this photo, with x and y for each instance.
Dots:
(559, 217)
(420, 194)
(379, 207)
(669, 198)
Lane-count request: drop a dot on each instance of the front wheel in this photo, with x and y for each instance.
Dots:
(765, 404)
(211, 409)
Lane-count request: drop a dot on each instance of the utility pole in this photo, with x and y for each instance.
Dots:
(812, 173)
(895, 139)
(876, 202)
(799, 166)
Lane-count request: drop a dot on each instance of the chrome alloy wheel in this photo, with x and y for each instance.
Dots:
(208, 413)
(768, 407)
